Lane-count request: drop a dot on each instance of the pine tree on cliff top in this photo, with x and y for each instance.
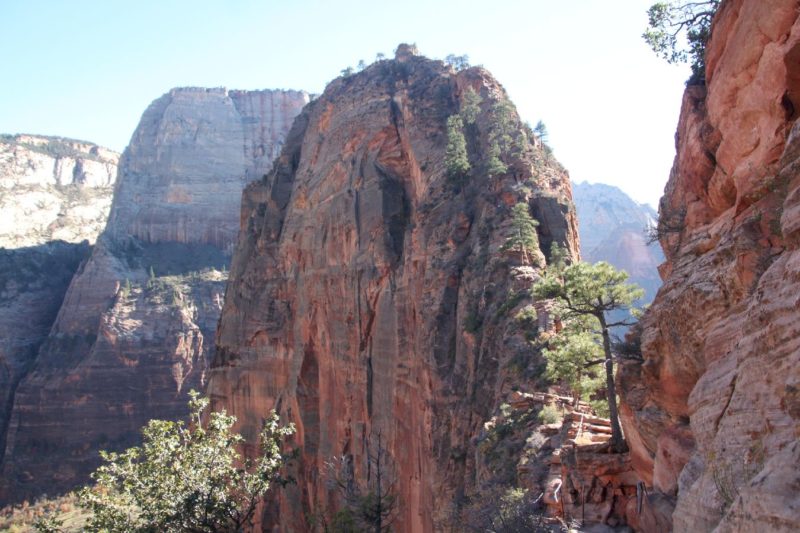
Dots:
(589, 291)
(668, 21)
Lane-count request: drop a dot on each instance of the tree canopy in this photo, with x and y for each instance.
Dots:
(523, 237)
(583, 294)
(455, 158)
(670, 23)
(185, 478)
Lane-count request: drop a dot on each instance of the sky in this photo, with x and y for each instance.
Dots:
(87, 69)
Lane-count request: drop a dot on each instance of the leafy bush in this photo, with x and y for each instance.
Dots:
(550, 414)
(185, 478)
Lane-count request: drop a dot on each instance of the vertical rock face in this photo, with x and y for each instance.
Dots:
(612, 229)
(134, 332)
(369, 293)
(713, 412)
(189, 159)
(53, 189)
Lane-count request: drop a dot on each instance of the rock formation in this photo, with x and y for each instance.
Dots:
(54, 194)
(370, 292)
(712, 412)
(53, 188)
(134, 332)
(612, 228)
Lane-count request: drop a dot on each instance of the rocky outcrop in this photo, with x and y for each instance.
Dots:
(370, 293)
(712, 412)
(53, 188)
(612, 228)
(55, 195)
(133, 335)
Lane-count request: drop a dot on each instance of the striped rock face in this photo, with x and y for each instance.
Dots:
(712, 414)
(370, 293)
(135, 331)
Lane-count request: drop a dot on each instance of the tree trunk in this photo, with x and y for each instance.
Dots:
(617, 441)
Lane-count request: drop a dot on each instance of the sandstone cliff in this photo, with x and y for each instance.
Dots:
(369, 293)
(612, 228)
(53, 188)
(712, 413)
(134, 332)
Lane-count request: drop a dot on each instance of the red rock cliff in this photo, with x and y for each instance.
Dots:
(368, 292)
(713, 412)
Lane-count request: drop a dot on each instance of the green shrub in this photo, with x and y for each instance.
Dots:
(456, 158)
(550, 414)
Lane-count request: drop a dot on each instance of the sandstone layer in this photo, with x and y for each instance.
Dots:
(53, 188)
(370, 294)
(712, 413)
(134, 333)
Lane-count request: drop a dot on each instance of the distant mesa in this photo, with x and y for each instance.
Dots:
(612, 228)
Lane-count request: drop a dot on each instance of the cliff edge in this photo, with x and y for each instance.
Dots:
(712, 412)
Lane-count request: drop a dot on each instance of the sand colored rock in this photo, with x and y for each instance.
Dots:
(134, 333)
(367, 289)
(712, 409)
(53, 188)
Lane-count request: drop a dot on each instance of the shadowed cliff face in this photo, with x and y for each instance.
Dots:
(133, 334)
(368, 292)
(712, 412)
(55, 194)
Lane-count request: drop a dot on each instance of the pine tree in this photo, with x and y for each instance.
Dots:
(541, 131)
(585, 293)
(456, 159)
(571, 359)
(471, 106)
(523, 238)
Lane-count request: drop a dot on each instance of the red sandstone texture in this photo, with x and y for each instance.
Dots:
(712, 413)
(366, 291)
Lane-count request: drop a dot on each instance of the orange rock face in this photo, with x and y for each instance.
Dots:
(711, 414)
(367, 288)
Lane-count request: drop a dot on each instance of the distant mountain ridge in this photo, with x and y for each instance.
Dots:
(611, 226)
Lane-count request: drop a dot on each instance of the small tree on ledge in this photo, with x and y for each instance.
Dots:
(589, 291)
(523, 238)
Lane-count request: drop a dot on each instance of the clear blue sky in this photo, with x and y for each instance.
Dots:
(88, 68)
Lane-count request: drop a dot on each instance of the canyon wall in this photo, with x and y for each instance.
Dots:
(370, 293)
(55, 194)
(133, 334)
(712, 412)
